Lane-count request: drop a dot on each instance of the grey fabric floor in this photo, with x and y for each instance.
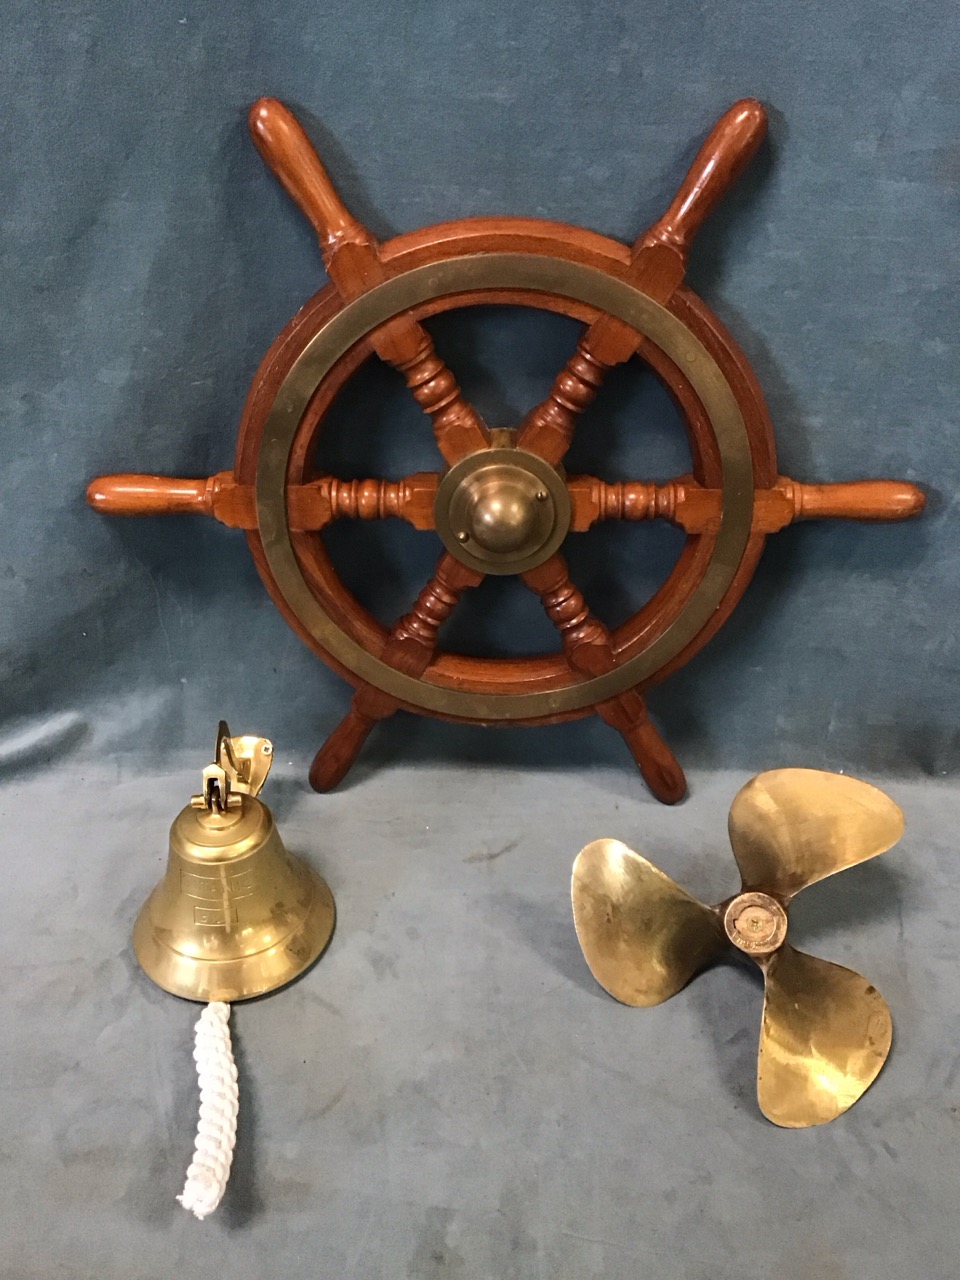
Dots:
(448, 1093)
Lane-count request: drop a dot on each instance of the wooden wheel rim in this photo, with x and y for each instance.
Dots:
(582, 283)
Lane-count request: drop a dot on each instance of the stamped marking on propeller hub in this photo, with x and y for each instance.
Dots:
(756, 923)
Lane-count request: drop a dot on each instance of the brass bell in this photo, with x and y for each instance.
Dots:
(235, 915)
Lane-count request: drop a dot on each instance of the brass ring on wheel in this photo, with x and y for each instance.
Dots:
(585, 284)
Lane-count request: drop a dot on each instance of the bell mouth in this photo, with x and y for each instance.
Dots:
(241, 977)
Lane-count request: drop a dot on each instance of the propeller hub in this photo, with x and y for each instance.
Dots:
(756, 923)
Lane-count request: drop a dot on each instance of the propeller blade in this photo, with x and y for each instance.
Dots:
(792, 827)
(826, 1033)
(642, 935)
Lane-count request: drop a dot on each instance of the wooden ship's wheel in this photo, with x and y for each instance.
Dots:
(502, 503)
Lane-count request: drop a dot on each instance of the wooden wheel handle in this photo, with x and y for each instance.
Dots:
(129, 494)
(730, 145)
(291, 157)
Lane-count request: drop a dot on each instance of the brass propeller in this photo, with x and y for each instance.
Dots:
(826, 1031)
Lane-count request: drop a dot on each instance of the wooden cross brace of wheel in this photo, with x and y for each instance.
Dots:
(503, 504)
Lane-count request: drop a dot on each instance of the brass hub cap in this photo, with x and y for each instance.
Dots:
(502, 510)
(756, 923)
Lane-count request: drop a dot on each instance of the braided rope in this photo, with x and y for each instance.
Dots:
(217, 1129)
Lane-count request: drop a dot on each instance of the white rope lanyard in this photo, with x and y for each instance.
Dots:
(217, 1129)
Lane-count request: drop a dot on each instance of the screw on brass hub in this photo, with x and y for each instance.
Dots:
(756, 923)
(502, 510)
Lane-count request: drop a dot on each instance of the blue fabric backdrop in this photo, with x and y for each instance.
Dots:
(149, 259)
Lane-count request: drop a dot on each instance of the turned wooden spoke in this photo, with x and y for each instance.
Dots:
(583, 636)
(657, 267)
(410, 647)
(409, 499)
(351, 255)
(309, 506)
(589, 652)
(698, 510)
(417, 630)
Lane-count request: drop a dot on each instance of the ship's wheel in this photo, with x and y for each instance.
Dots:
(501, 503)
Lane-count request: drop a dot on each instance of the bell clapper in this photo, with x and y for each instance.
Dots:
(209, 1170)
